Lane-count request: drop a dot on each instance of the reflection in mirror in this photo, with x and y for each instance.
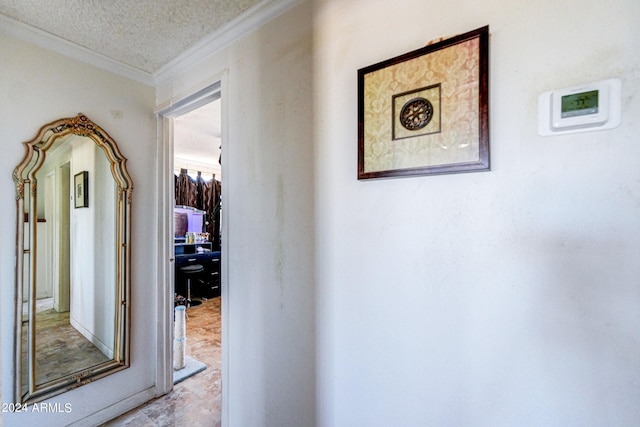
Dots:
(73, 196)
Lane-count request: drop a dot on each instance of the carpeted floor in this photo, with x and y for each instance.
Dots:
(196, 400)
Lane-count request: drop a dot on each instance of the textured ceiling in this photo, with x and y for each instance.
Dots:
(144, 34)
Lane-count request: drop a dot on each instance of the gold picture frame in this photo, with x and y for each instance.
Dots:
(427, 111)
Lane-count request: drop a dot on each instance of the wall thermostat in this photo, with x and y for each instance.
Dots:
(583, 108)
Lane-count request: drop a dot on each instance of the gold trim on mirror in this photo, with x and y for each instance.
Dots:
(38, 376)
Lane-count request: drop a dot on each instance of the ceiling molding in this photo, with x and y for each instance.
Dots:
(222, 37)
(57, 44)
(205, 48)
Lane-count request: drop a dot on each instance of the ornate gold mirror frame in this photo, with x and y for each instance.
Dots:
(26, 388)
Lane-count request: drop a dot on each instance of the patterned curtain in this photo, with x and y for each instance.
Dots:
(213, 197)
(186, 190)
(203, 195)
(200, 196)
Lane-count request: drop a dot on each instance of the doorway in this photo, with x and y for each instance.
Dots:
(191, 142)
(197, 221)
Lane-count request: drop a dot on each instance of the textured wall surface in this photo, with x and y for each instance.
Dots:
(37, 87)
(500, 298)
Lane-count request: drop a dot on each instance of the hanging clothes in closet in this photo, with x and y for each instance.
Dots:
(203, 195)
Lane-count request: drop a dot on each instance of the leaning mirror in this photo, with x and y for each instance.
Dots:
(73, 199)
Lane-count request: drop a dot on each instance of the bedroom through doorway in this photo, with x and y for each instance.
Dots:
(197, 235)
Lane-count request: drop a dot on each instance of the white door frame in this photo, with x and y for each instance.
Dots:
(166, 286)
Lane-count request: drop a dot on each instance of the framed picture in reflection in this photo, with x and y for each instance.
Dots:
(81, 189)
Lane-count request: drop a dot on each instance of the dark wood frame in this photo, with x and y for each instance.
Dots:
(482, 163)
(81, 178)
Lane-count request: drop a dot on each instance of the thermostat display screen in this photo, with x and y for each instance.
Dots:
(579, 104)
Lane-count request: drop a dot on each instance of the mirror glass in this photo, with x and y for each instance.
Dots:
(73, 196)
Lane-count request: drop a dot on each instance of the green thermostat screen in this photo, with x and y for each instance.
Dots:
(579, 104)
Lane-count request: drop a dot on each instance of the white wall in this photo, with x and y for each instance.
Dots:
(93, 257)
(37, 87)
(507, 297)
(267, 191)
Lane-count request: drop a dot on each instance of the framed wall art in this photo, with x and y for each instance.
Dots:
(427, 111)
(81, 189)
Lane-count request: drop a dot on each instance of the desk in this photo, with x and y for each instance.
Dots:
(191, 248)
(208, 284)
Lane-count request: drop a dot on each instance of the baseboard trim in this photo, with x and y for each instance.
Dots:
(116, 409)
